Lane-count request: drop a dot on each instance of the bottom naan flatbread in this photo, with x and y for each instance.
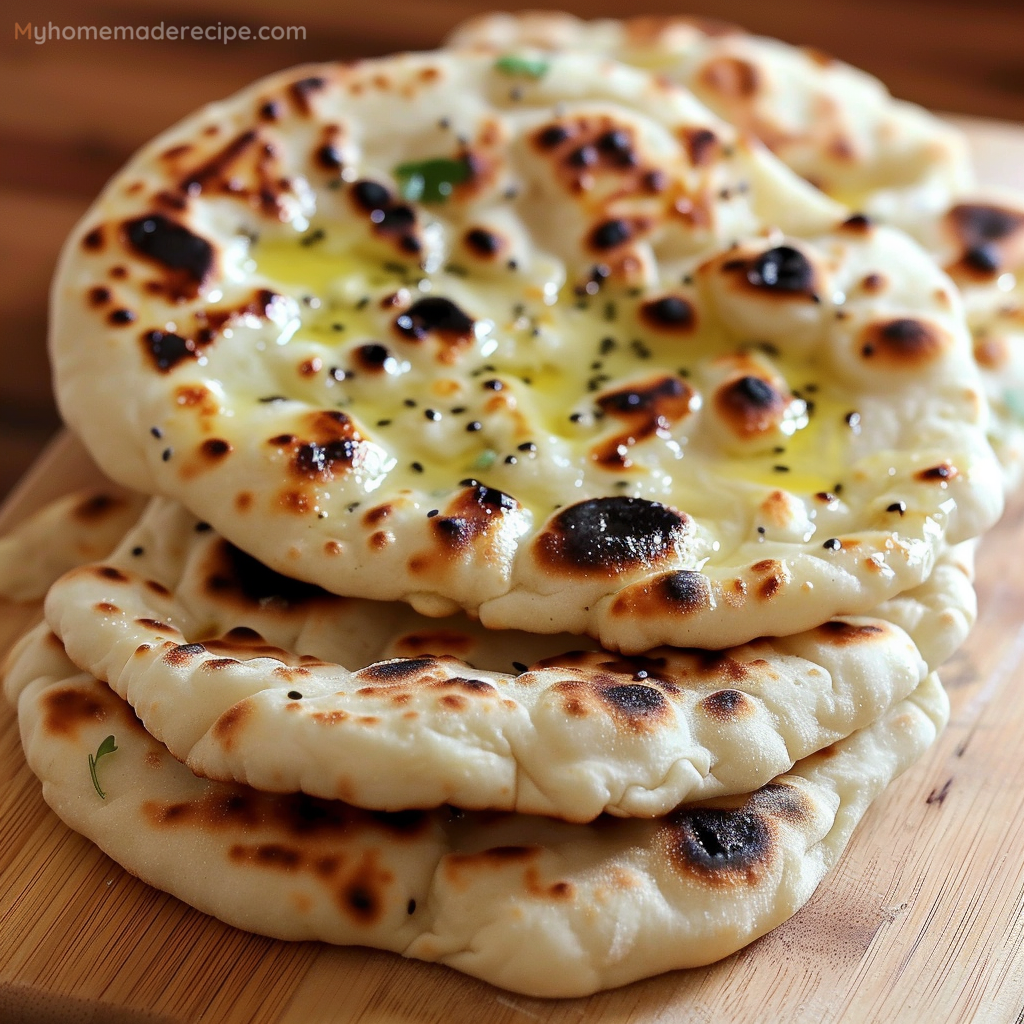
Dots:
(534, 905)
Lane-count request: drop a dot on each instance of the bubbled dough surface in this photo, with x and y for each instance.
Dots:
(834, 124)
(600, 485)
(506, 898)
(840, 129)
(247, 676)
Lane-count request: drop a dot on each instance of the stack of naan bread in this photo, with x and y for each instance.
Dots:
(566, 453)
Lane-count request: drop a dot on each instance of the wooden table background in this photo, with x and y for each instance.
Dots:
(72, 112)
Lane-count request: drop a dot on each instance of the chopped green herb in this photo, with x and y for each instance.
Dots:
(485, 459)
(431, 181)
(106, 747)
(529, 67)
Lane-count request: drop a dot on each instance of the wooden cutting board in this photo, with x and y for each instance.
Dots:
(921, 921)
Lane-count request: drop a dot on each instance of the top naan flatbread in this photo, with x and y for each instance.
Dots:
(548, 342)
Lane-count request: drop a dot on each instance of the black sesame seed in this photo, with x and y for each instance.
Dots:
(203, 527)
(832, 544)
(416, 467)
(136, 551)
(432, 414)
(166, 454)
(510, 460)
(527, 446)
(519, 666)
(610, 234)
(410, 403)
(585, 156)
(433, 512)
(122, 316)
(329, 157)
(156, 432)
(493, 385)
(470, 481)
(294, 695)
(897, 506)
(482, 241)
(781, 469)
(474, 426)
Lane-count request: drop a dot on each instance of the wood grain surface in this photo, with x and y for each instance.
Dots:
(72, 112)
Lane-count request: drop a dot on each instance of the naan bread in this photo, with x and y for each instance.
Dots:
(835, 125)
(251, 677)
(979, 240)
(74, 529)
(839, 129)
(550, 392)
(534, 905)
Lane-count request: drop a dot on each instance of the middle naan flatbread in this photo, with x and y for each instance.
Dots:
(249, 676)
